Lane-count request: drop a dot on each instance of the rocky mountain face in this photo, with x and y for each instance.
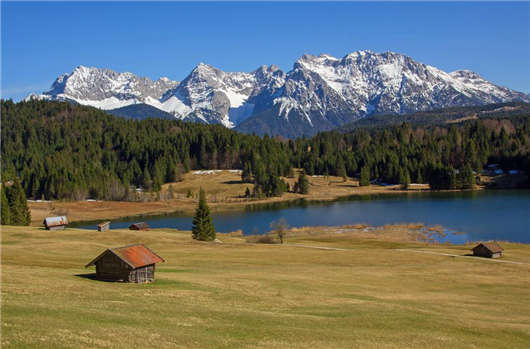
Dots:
(106, 89)
(319, 93)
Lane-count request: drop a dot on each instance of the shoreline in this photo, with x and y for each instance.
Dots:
(224, 191)
(80, 212)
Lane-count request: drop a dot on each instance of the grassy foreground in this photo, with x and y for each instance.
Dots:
(234, 294)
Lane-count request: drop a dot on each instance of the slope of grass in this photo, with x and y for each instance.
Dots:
(239, 295)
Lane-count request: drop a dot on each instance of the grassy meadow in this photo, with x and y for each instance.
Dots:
(371, 291)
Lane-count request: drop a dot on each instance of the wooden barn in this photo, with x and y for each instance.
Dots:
(55, 223)
(488, 250)
(139, 226)
(133, 263)
(104, 226)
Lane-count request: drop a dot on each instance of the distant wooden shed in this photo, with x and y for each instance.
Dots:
(132, 263)
(104, 226)
(139, 226)
(488, 250)
(55, 223)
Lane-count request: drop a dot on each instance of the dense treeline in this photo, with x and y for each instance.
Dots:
(60, 150)
(444, 157)
(442, 116)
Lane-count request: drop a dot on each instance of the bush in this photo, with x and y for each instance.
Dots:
(261, 239)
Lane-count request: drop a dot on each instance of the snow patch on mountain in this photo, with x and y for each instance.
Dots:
(320, 91)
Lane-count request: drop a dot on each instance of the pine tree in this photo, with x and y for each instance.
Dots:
(365, 176)
(19, 210)
(246, 173)
(303, 184)
(6, 214)
(341, 169)
(404, 178)
(203, 228)
(419, 178)
(452, 178)
(468, 180)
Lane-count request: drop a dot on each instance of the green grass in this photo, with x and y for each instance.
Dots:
(239, 295)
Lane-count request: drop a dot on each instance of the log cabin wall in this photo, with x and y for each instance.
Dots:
(112, 268)
(143, 274)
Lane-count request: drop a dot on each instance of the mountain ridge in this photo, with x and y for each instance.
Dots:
(320, 92)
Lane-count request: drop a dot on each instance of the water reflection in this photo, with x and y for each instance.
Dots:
(482, 215)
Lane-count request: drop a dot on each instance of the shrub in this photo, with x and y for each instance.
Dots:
(261, 239)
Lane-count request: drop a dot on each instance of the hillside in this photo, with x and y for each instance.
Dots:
(74, 152)
(140, 112)
(442, 116)
(369, 293)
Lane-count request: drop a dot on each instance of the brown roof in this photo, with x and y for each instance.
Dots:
(135, 256)
(140, 225)
(492, 246)
(103, 223)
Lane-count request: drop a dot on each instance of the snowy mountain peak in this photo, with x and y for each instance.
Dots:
(105, 88)
(465, 74)
(320, 92)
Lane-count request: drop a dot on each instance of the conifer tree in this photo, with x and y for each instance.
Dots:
(6, 214)
(419, 178)
(404, 178)
(365, 176)
(341, 169)
(18, 205)
(468, 180)
(303, 183)
(203, 228)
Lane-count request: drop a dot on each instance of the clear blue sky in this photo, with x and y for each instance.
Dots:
(43, 40)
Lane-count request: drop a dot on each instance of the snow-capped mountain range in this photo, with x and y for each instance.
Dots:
(319, 93)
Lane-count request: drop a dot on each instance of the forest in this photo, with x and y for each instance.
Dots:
(63, 151)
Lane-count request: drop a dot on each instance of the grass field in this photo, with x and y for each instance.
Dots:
(375, 293)
(224, 190)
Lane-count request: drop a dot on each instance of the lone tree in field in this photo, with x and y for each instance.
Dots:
(203, 228)
(280, 228)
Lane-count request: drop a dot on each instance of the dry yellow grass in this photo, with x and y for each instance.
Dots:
(224, 190)
(375, 293)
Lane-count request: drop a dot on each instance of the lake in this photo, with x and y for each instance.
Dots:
(481, 215)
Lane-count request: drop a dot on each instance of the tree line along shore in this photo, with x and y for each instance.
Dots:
(60, 151)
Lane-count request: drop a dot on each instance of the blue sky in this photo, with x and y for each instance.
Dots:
(43, 40)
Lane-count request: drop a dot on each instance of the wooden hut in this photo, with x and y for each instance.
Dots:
(55, 223)
(139, 226)
(133, 263)
(104, 226)
(488, 250)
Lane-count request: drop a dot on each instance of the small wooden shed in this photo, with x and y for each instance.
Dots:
(104, 226)
(132, 263)
(55, 223)
(488, 250)
(139, 226)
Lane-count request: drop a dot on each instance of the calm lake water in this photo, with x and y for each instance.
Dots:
(482, 215)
